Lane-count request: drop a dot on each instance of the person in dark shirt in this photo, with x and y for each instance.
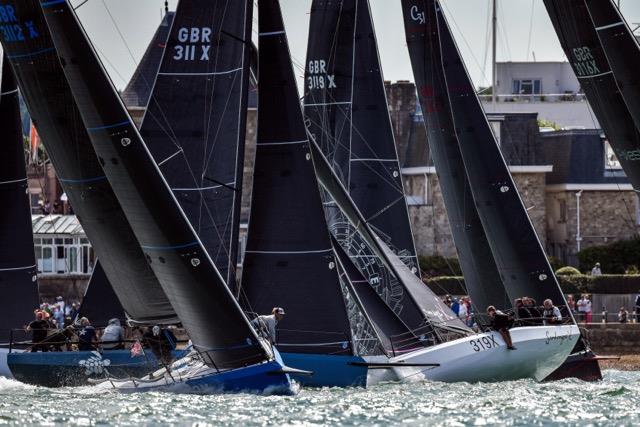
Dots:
(523, 312)
(532, 306)
(87, 338)
(39, 328)
(501, 322)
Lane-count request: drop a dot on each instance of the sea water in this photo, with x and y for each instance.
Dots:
(613, 401)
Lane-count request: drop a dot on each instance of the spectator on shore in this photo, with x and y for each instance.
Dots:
(637, 306)
(39, 329)
(551, 313)
(61, 304)
(584, 307)
(87, 336)
(500, 322)
(595, 271)
(447, 300)
(73, 313)
(571, 304)
(113, 336)
(623, 315)
(455, 306)
(463, 310)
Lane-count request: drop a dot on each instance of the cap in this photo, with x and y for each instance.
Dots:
(280, 310)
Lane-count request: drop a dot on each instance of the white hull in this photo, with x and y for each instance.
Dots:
(485, 357)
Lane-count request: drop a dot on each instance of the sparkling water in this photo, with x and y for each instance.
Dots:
(613, 401)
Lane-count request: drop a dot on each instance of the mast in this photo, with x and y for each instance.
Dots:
(195, 122)
(57, 118)
(482, 279)
(587, 57)
(494, 49)
(620, 46)
(289, 260)
(207, 308)
(18, 281)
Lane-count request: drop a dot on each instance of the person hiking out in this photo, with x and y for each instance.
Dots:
(500, 322)
(266, 324)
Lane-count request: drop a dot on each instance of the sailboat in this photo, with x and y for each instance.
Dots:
(588, 58)
(55, 114)
(347, 114)
(228, 353)
(18, 281)
(622, 51)
(475, 179)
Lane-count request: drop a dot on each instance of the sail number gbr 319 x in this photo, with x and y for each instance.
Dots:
(484, 343)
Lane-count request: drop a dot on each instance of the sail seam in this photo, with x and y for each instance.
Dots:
(374, 160)
(283, 143)
(115, 125)
(319, 104)
(82, 181)
(271, 33)
(212, 187)
(214, 73)
(595, 75)
(9, 92)
(18, 268)
(13, 181)
(168, 248)
(604, 27)
(289, 252)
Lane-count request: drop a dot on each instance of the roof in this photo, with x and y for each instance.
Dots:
(578, 157)
(56, 224)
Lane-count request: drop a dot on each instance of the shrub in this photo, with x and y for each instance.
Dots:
(615, 258)
(567, 271)
(436, 265)
(555, 263)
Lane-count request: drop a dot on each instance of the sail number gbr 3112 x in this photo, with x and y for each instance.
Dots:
(484, 343)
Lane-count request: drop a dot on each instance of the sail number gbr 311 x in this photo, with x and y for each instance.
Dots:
(484, 343)
(193, 44)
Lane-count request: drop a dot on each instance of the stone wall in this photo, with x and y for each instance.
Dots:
(614, 338)
(605, 217)
(431, 229)
(401, 97)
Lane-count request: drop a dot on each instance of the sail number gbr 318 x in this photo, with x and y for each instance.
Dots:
(484, 343)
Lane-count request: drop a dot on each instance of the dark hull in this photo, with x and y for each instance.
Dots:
(74, 368)
(583, 366)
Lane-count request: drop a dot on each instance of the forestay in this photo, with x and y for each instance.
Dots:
(55, 115)
(196, 118)
(18, 281)
(482, 280)
(205, 305)
(580, 43)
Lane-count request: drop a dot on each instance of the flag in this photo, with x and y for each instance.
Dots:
(136, 349)
(35, 142)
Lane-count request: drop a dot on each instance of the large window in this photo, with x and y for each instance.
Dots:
(64, 255)
(527, 87)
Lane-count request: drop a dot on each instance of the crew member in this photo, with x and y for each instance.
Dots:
(266, 324)
(500, 322)
(551, 313)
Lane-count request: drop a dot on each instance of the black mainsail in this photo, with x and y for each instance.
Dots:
(199, 294)
(580, 43)
(347, 114)
(196, 118)
(56, 116)
(18, 283)
(621, 49)
(482, 279)
(289, 260)
(517, 251)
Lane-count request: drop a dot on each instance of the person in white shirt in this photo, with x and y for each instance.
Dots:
(266, 325)
(584, 307)
(595, 271)
(551, 313)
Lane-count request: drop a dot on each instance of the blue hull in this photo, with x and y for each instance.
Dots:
(328, 370)
(74, 368)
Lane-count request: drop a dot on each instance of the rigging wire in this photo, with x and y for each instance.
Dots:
(533, 7)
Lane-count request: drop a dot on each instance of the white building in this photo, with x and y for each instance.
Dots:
(550, 89)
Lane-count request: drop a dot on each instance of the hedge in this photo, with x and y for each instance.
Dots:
(616, 258)
(576, 284)
(436, 266)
